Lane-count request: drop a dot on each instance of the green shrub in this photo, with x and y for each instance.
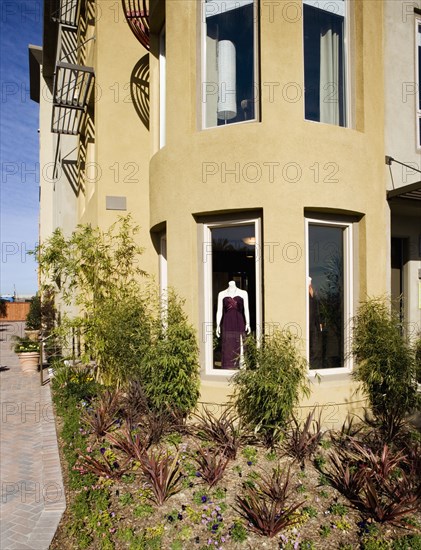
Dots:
(48, 311)
(33, 318)
(99, 272)
(3, 308)
(385, 364)
(118, 337)
(171, 368)
(269, 387)
(123, 328)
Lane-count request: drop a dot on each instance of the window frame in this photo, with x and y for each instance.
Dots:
(418, 83)
(163, 267)
(256, 73)
(208, 319)
(348, 270)
(162, 87)
(348, 96)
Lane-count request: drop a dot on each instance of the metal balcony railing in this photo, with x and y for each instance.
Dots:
(72, 88)
(54, 353)
(137, 16)
(66, 12)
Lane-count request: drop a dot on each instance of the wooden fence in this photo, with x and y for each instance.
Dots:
(16, 311)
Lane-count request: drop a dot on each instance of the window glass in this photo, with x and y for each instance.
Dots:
(228, 84)
(419, 64)
(233, 267)
(326, 296)
(325, 61)
(162, 88)
(419, 83)
(232, 292)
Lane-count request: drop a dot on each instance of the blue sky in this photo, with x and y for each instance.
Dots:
(20, 25)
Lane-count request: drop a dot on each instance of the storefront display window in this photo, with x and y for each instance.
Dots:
(329, 294)
(232, 288)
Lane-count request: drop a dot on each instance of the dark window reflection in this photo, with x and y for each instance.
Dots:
(324, 66)
(326, 297)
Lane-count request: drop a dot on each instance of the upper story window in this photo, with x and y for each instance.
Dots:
(228, 87)
(325, 61)
(418, 57)
(162, 88)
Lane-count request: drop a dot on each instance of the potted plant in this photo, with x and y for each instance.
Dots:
(33, 319)
(28, 352)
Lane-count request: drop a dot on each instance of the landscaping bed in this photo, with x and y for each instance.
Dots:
(145, 470)
(119, 510)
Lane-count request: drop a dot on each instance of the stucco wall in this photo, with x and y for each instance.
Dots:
(272, 164)
(119, 151)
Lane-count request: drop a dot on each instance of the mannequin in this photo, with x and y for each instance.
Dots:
(233, 317)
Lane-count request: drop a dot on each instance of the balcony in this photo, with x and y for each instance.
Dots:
(66, 12)
(137, 17)
(72, 89)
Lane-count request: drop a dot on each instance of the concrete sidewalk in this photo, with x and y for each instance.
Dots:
(32, 491)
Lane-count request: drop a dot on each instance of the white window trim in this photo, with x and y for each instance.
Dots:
(348, 298)
(343, 9)
(228, 5)
(333, 6)
(256, 83)
(208, 313)
(418, 82)
(163, 270)
(348, 57)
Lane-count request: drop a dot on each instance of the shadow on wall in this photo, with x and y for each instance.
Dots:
(139, 89)
(84, 161)
(71, 173)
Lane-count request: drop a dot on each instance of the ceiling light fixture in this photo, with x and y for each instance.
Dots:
(249, 241)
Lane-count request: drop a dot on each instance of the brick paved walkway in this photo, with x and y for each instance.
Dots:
(32, 492)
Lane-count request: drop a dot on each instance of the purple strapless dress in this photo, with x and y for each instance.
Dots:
(233, 331)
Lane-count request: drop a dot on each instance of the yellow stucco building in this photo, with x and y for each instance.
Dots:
(248, 139)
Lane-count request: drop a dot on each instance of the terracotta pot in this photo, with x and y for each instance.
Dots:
(29, 361)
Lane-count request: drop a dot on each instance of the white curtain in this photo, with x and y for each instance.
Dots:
(329, 77)
(227, 81)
